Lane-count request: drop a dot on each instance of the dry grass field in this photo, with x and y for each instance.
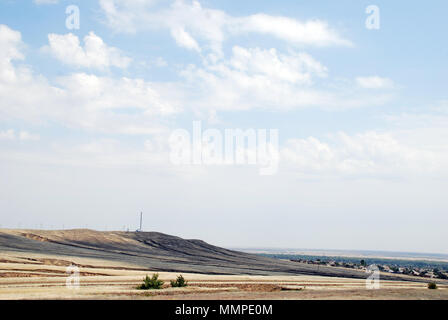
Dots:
(37, 276)
(112, 265)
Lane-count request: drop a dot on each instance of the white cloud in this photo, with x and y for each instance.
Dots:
(184, 39)
(21, 93)
(160, 62)
(257, 78)
(98, 93)
(191, 21)
(7, 135)
(126, 15)
(11, 45)
(23, 135)
(251, 77)
(312, 32)
(369, 154)
(26, 136)
(294, 68)
(98, 153)
(38, 2)
(374, 82)
(95, 54)
(125, 105)
(442, 106)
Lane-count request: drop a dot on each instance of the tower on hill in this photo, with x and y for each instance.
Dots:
(141, 221)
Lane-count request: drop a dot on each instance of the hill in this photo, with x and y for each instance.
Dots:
(159, 252)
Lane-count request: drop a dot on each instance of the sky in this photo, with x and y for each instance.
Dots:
(92, 91)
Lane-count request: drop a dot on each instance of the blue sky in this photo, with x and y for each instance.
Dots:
(86, 115)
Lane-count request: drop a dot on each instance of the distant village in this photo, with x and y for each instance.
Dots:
(426, 272)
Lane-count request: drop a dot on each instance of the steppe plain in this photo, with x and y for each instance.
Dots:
(33, 265)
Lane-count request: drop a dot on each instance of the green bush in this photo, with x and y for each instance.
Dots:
(180, 282)
(151, 283)
(432, 285)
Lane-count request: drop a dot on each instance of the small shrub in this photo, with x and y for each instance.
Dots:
(151, 283)
(180, 282)
(432, 285)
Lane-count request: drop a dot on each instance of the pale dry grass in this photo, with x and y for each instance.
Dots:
(39, 276)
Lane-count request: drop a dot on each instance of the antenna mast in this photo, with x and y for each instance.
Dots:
(141, 218)
(141, 223)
